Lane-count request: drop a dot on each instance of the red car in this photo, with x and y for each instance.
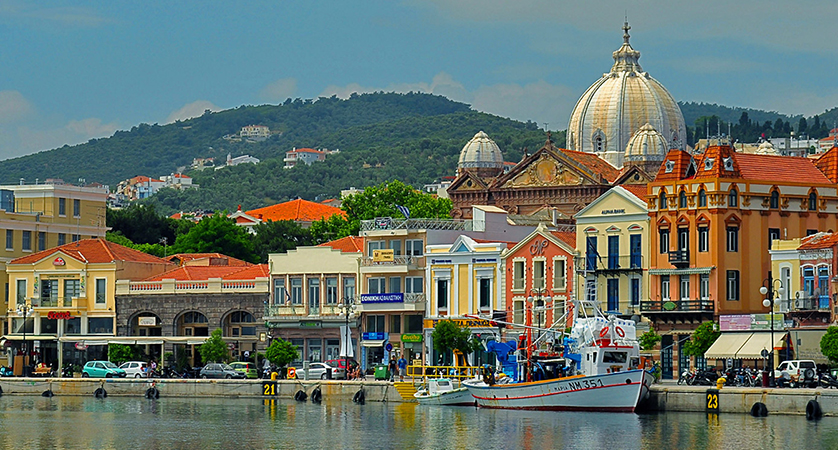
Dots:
(341, 363)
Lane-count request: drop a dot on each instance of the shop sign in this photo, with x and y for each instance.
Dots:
(373, 336)
(613, 211)
(383, 298)
(412, 337)
(81, 346)
(59, 315)
(147, 321)
(311, 324)
(59, 261)
(750, 322)
(383, 255)
(463, 323)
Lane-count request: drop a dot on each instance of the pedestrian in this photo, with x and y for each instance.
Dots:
(402, 363)
(392, 369)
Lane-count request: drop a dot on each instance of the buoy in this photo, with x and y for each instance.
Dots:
(620, 332)
(100, 393)
(603, 332)
(813, 410)
(759, 410)
(316, 395)
(300, 396)
(152, 393)
(47, 393)
(359, 397)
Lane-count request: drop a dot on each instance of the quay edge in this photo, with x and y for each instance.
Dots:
(670, 397)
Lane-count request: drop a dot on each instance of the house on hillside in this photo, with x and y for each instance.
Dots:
(301, 211)
(306, 156)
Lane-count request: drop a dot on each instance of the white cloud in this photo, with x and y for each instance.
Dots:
(279, 90)
(91, 127)
(14, 106)
(190, 110)
(73, 16)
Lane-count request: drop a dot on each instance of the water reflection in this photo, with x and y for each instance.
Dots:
(184, 423)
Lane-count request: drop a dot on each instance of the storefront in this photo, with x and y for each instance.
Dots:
(482, 329)
(373, 349)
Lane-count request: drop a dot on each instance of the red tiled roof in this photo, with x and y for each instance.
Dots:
(306, 150)
(250, 272)
(218, 258)
(568, 237)
(818, 241)
(350, 244)
(94, 251)
(593, 163)
(297, 210)
(680, 159)
(828, 164)
(638, 190)
(779, 169)
(193, 273)
(176, 215)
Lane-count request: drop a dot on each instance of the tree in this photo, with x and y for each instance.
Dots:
(281, 352)
(381, 201)
(335, 227)
(801, 126)
(217, 234)
(829, 344)
(119, 353)
(702, 338)
(649, 340)
(448, 336)
(279, 237)
(214, 349)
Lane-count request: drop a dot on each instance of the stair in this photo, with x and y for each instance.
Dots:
(405, 389)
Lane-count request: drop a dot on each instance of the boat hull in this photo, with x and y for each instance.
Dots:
(457, 397)
(616, 392)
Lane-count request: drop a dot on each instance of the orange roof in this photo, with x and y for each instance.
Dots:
(828, 164)
(568, 237)
(297, 210)
(180, 175)
(194, 273)
(680, 160)
(217, 259)
(176, 215)
(306, 150)
(144, 179)
(250, 272)
(638, 190)
(779, 169)
(818, 241)
(93, 251)
(593, 163)
(350, 244)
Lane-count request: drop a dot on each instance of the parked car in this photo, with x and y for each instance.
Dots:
(247, 368)
(319, 370)
(341, 364)
(134, 369)
(798, 370)
(217, 370)
(102, 369)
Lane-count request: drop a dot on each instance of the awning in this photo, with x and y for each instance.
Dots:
(30, 337)
(727, 345)
(373, 343)
(687, 271)
(132, 340)
(758, 342)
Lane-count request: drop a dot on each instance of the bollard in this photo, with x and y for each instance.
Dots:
(273, 376)
(720, 382)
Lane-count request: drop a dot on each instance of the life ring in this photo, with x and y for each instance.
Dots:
(603, 331)
(100, 393)
(813, 410)
(620, 332)
(359, 397)
(316, 395)
(152, 393)
(300, 396)
(292, 373)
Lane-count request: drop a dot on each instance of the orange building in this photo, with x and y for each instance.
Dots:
(714, 216)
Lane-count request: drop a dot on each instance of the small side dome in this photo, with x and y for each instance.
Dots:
(480, 153)
(646, 145)
(767, 148)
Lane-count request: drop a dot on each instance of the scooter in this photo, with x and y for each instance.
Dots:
(827, 381)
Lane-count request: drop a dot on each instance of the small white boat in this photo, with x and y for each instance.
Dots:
(441, 391)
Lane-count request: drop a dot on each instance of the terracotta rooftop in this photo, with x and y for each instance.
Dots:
(350, 244)
(638, 190)
(93, 251)
(206, 259)
(568, 237)
(593, 163)
(818, 241)
(202, 273)
(779, 169)
(297, 210)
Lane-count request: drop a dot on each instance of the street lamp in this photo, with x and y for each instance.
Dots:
(347, 308)
(768, 289)
(24, 310)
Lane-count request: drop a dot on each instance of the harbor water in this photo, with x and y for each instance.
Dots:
(28, 422)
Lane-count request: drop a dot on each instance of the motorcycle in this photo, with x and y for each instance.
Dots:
(827, 381)
(687, 377)
(6, 372)
(706, 378)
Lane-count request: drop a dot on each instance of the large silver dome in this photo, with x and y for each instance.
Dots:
(480, 153)
(617, 105)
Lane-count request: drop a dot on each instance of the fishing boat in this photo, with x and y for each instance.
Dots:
(598, 368)
(441, 391)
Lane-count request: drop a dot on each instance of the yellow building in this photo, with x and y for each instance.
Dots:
(612, 236)
(66, 295)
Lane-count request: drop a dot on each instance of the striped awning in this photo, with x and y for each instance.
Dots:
(727, 345)
(759, 342)
(687, 271)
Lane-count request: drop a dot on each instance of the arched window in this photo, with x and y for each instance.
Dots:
(774, 202)
(598, 141)
(662, 200)
(733, 198)
(702, 198)
(813, 201)
(682, 200)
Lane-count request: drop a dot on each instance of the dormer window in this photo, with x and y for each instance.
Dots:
(669, 166)
(728, 163)
(708, 163)
(733, 198)
(813, 201)
(774, 201)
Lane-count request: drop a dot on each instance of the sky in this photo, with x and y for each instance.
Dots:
(75, 70)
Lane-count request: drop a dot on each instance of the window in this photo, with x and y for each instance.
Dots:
(375, 323)
(809, 281)
(374, 245)
(559, 274)
(823, 287)
(395, 284)
(21, 292)
(733, 285)
(76, 237)
(813, 201)
(733, 198)
(296, 291)
(376, 285)
(663, 234)
(591, 254)
(331, 291)
(415, 323)
(733, 239)
(665, 287)
(49, 292)
(538, 274)
(413, 247)
(279, 291)
(76, 208)
(485, 293)
(10, 239)
(396, 246)
(62, 238)
(703, 239)
(101, 291)
(702, 198)
(613, 252)
(27, 241)
(636, 251)
(704, 286)
(349, 287)
(518, 275)
(72, 289)
(42, 241)
(684, 239)
(518, 311)
(773, 235)
(685, 287)
(395, 323)
(682, 199)
(634, 291)
(662, 200)
(774, 200)
(413, 285)
(442, 294)
(62, 206)
(100, 325)
(613, 292)
(811, 232)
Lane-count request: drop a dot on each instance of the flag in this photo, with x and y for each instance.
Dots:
(287, 296)
(405, 212)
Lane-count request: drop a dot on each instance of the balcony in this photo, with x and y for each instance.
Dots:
(399, 264)
(212, 285)
(612, 264)
(53, 302)
(679, 258)
(677, 306)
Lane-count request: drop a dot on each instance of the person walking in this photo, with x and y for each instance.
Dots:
(392, 369)
(402, 363)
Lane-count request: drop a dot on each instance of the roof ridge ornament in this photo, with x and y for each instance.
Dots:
(626, 28)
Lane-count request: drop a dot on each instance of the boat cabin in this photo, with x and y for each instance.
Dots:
(609, 357)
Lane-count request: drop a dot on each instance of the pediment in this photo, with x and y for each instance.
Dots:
(467, 182)
(633, 175)
(545, 170)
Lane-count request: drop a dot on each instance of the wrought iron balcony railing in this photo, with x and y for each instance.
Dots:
(605, 263)
(675, 305)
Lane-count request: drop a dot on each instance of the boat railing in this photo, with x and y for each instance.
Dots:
(421, 373)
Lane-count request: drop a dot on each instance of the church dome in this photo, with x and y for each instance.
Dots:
(617, 105)
(480, 153)
(647, 145)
